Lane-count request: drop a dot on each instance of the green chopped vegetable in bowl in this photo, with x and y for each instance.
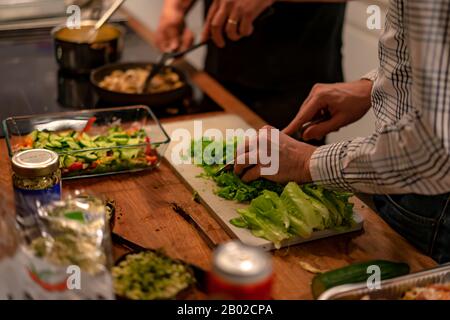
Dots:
(149, 275)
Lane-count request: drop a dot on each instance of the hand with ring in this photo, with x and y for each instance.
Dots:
(232, 17)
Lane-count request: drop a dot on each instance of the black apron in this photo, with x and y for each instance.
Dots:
(273, 70)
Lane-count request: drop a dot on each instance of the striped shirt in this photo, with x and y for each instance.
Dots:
(409, 152)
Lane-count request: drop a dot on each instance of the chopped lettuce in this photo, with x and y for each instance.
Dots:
(263, 227)
(303, 207)
(276, 212)
(229, 185)
(340, 208)
(270, 206)
(298, 211)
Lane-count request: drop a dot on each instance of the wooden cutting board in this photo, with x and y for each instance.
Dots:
(224, 210)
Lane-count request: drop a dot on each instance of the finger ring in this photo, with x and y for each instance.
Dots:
(231, 21)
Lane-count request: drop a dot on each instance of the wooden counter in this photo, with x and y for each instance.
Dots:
(146, 215)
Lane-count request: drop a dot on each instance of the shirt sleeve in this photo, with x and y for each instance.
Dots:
(371, 75)
(410, 155)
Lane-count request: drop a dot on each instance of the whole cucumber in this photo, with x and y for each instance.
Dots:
(356, 273)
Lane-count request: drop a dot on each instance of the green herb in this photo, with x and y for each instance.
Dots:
(75, 215)
(196, 197)
(230, 186)
(37, 183)
(149, 276)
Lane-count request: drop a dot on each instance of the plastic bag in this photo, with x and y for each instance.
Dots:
(67, 253)
(10, 258)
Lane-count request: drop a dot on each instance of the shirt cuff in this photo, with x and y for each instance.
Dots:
(372, 75)
(326, 167)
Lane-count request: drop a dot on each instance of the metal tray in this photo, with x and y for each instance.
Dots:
(392, 289)
(141, 117)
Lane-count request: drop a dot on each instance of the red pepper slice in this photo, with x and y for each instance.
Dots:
(151, 159)
(94, 164)
(148, 148)
(75, 166)
(28, 142)
(89, 124)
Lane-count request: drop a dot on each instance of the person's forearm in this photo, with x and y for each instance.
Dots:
(178, 6)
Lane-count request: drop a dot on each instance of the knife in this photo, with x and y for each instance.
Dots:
(324, 116)
(192, 221)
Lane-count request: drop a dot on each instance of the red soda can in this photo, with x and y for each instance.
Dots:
(240, 272)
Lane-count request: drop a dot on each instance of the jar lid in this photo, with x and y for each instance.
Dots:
(240, 263)
(35, 162)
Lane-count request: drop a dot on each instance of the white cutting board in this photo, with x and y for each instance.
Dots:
(224, 210)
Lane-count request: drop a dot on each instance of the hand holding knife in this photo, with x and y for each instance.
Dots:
(324, 115)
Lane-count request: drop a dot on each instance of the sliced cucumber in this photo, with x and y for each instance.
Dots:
(105, 144)
(54, 137)
(133, 141)
(65, 134)
(90, 156)
(42, 135)
(87, 143)
(120, 141)
(54, 144)
(128, 153)
(69, 160)
(72, 144)
(34, 135)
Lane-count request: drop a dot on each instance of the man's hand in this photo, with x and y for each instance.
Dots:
(172, 34)
(345, 102)
(233, 17)
(293, 159)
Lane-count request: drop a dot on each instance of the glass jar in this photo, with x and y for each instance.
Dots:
(37, 181)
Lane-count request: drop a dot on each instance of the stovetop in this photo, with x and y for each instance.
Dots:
(30, 82)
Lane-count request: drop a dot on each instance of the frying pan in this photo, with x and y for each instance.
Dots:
(149, 99)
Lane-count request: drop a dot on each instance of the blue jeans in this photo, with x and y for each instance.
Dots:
(422, 220)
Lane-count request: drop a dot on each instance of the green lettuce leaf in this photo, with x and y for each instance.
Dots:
(299, 206)
(263, 227)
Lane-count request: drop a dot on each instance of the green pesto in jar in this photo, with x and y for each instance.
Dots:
(36, 169)
(37, 183)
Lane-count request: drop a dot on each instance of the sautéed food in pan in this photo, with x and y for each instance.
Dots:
(132, 81)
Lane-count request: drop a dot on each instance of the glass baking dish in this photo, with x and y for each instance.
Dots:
(105, 150)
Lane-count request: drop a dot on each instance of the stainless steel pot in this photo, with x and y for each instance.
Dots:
(75, 55)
